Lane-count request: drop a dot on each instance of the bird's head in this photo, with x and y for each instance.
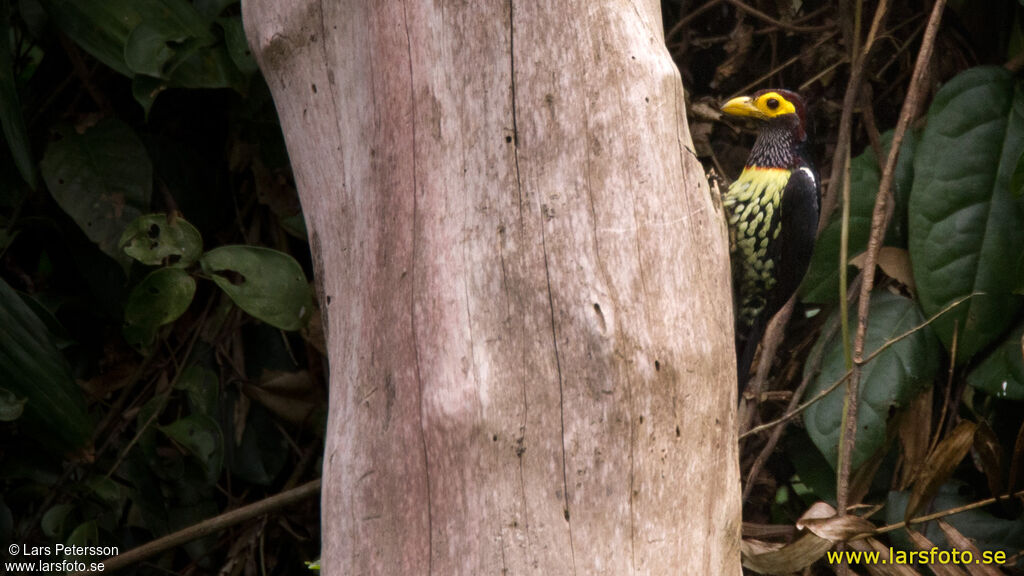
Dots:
(779, 108)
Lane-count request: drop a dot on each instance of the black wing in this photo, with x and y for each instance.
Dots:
(792, 251)
(798, 227)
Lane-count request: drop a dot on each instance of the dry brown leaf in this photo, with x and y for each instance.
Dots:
(963, 544)
(791, 558)
(821, 520)
(922, 543)
(737, 48)
(914, 433)
(989, 454)
(817, 511)
(895, 262)
(241, 417)
(939, 466)
(880, 569)
(838, 528)
(1016, 462)
(291, 395)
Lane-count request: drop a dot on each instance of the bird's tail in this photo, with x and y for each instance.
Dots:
(746, 348)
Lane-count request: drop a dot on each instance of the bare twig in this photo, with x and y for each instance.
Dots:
(885, 346)
(773, 336)
(689, 18)
(215, 524)
(783, 25)
(773, 440)
(879, 221)
(950, 512)
(846, 119)
(787, 64)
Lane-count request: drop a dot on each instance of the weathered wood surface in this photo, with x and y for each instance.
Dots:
(529, 316)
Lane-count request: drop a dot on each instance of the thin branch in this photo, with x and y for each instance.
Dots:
(210, 526)
(885, 346)
(789, 63)
(773, 440)
(783, 25)
(689, 18)
(950, 512)
(879, 221)
(773, 337)
(846, 119)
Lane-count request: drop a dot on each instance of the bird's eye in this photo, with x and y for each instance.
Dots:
(773, 103)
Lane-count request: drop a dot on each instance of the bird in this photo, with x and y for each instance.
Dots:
(772, 212)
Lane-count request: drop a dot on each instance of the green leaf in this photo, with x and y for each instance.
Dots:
(1001, 373)
(888, 381)
(166, 39)
(11, 407)
(145, 89)
(156, 239)
(171, 31)
(85, 534)
(52, 522)
(105, 488)
(1017, 180)
(100, 27)
(267, 284)
(10, 105)
(821, 285)
(32, 368)
(102, 178)
(210, 68)
(203, 388)
(148, 50)
(813, 470)
(201, 436)
(238, 46)
(159, 299)
(964, 223)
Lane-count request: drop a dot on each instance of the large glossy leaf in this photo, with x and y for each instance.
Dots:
(10, 105)
(966, 228)
(33, 369)
(156, 239)
(821, 285)
(160, 42)
(85, 534)
(237, 45)
(201, 436)
(52, 522)
(888, 381)
(159, 299)
(100, 27)
(203, 389)
(1001, 373)
(168, 34)
(267, 284)
(102, 178)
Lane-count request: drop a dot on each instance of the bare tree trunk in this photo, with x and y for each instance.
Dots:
(526, 281)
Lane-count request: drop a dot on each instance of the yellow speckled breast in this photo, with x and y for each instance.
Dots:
(752, 206)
